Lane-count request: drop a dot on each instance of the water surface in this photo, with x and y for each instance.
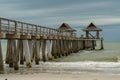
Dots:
(85, 61)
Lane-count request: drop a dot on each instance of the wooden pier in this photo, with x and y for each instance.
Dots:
(27, 43)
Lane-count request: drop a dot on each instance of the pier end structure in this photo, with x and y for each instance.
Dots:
(67, 30)
(92, 35)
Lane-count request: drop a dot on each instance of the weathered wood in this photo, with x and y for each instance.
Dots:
(36, 52)
(7, 52)
(66, 45)
(62, 47)
(43, 50)
(27, 53)
(38, 49)
(74, 48)
(0, 24)
(31, 46)
(2, 35)
(33, 50)
(71, 44)
(49, 49)
(21, 52)
(65, 48)
(97, 34)
(1, 60)
(15, 55)
(58, 48)
(78, 46)
(102, 47)
(46, 49)
(54, 50)
(93, 45)
(70, 47)
(11, 54)
(18, 49)
(81, 45)
(41, 55)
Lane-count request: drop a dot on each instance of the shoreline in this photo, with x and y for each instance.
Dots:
(62, 76)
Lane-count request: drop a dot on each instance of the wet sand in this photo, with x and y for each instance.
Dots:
(52, 76)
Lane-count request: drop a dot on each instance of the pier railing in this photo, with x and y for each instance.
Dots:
(9, 26)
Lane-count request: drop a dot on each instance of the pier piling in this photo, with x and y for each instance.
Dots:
(1, 60)
(27, 53)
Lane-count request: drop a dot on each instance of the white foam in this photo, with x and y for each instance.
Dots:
(86, 64)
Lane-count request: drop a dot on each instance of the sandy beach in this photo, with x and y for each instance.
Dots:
(50, 76)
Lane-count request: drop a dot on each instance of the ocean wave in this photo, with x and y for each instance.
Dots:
(71, 67)
(84, 64)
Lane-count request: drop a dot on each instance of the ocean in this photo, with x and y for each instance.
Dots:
(105, 61)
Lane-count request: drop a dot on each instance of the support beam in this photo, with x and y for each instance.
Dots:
(49, 49)
(41, 55)
(58, 48)
(38, 49)
(97, 34)
(7, 52)
(15, 55)
(30, 42)
(43, 50)
(102, 47)
(87, 34)
(93, 44)
(21, 52)
(11, 54)
(54, 49)
(36, 52)
(1, 60)
(27, 53)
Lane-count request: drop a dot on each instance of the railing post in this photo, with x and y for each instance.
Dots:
(61, 33)
(32, 30)
(57, 32)
(43, 31)
(40, 30)
(22, 28)
(0, 24)
(50, 32)
(8, 26)
(46, 31)
(15, 26)
(27, 28)
(36, 30)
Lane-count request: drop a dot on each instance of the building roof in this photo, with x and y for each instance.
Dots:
(92, 27)
(66, 27)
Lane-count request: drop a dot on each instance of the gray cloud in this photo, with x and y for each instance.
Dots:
(77, 13)
(59, 10)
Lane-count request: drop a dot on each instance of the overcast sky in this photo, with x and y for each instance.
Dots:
(77, 13)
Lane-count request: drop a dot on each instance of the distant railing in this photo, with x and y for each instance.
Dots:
(12, 26)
